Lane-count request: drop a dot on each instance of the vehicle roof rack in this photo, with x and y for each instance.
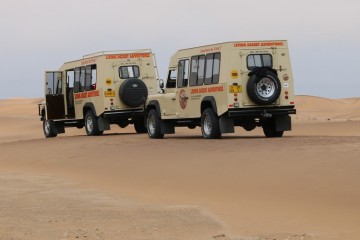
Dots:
(97, 54)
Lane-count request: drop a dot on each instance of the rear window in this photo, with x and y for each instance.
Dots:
(259, 60)
(129, 72)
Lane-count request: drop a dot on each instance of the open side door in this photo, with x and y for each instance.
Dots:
(55, 106)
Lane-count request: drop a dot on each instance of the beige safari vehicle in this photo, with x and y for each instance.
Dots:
(98, 90)
(220, 86)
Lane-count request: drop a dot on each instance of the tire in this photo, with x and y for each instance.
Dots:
(210, 126)
(49, 128)
(140, 125)
(269, 130)
(91, 124)
(153, 124)
(133, 92)
(272, 133)
(264, 86)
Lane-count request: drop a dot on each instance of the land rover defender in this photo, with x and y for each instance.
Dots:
(220, 86)
(98, 90)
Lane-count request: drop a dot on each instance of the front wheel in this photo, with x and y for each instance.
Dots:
(91, 124)
(153, 124)
(210, 127)
(49, 128)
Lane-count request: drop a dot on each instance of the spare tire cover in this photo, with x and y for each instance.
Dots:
(264, 86)
(133, 92)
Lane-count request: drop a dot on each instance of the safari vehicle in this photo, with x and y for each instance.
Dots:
(220, 86)
(101, 89)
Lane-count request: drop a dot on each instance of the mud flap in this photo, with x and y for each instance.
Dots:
(59, 128)
(226, 125)
(103, 124)
(167, 128)
(283, 123)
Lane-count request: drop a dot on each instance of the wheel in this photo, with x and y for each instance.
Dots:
(153, 124)
(210, 127)
(272, 133)
(91, 124)
(264, 86)
(133, 92)
(269, 130)
(140, 125)
(49, 128)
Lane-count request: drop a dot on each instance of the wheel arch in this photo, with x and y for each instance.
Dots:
(153, 105)
(89, 106)
(208, 102)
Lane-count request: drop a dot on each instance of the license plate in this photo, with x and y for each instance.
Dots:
(109, 93)
(235, 89)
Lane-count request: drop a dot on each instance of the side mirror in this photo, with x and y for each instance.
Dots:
(161, 85)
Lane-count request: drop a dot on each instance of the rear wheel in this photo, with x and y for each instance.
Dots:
(49, 128)
(153, 124)
(272, 133)
(91, 124)
(269, 130)
(210, 127)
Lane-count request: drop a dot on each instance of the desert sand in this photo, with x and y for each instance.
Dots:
(123, 185)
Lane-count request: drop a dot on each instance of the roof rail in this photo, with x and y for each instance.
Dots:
(116, 52)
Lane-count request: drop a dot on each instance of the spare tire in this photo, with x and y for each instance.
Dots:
(264, 86)
(133, 92)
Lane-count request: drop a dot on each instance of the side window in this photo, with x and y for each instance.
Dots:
(259, 60)
(53, 80)
(70, 78)
(216, 68)
(171, 80)
(212, 72)
(183, 73)
(79, 85)
(93, 77)
(87, 78)
(59, 86)
(50, 83)
(129, 72)
(77, 80)
(82, 79)
(197, 73)
(90, 77)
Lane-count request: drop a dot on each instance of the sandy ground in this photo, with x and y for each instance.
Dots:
(123, 185)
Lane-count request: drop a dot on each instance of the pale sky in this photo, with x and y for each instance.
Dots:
(39, 35)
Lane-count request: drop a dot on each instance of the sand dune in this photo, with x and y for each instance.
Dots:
(125, 186)
(312, 109)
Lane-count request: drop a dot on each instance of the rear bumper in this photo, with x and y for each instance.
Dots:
(261, 112)
(124, 113)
